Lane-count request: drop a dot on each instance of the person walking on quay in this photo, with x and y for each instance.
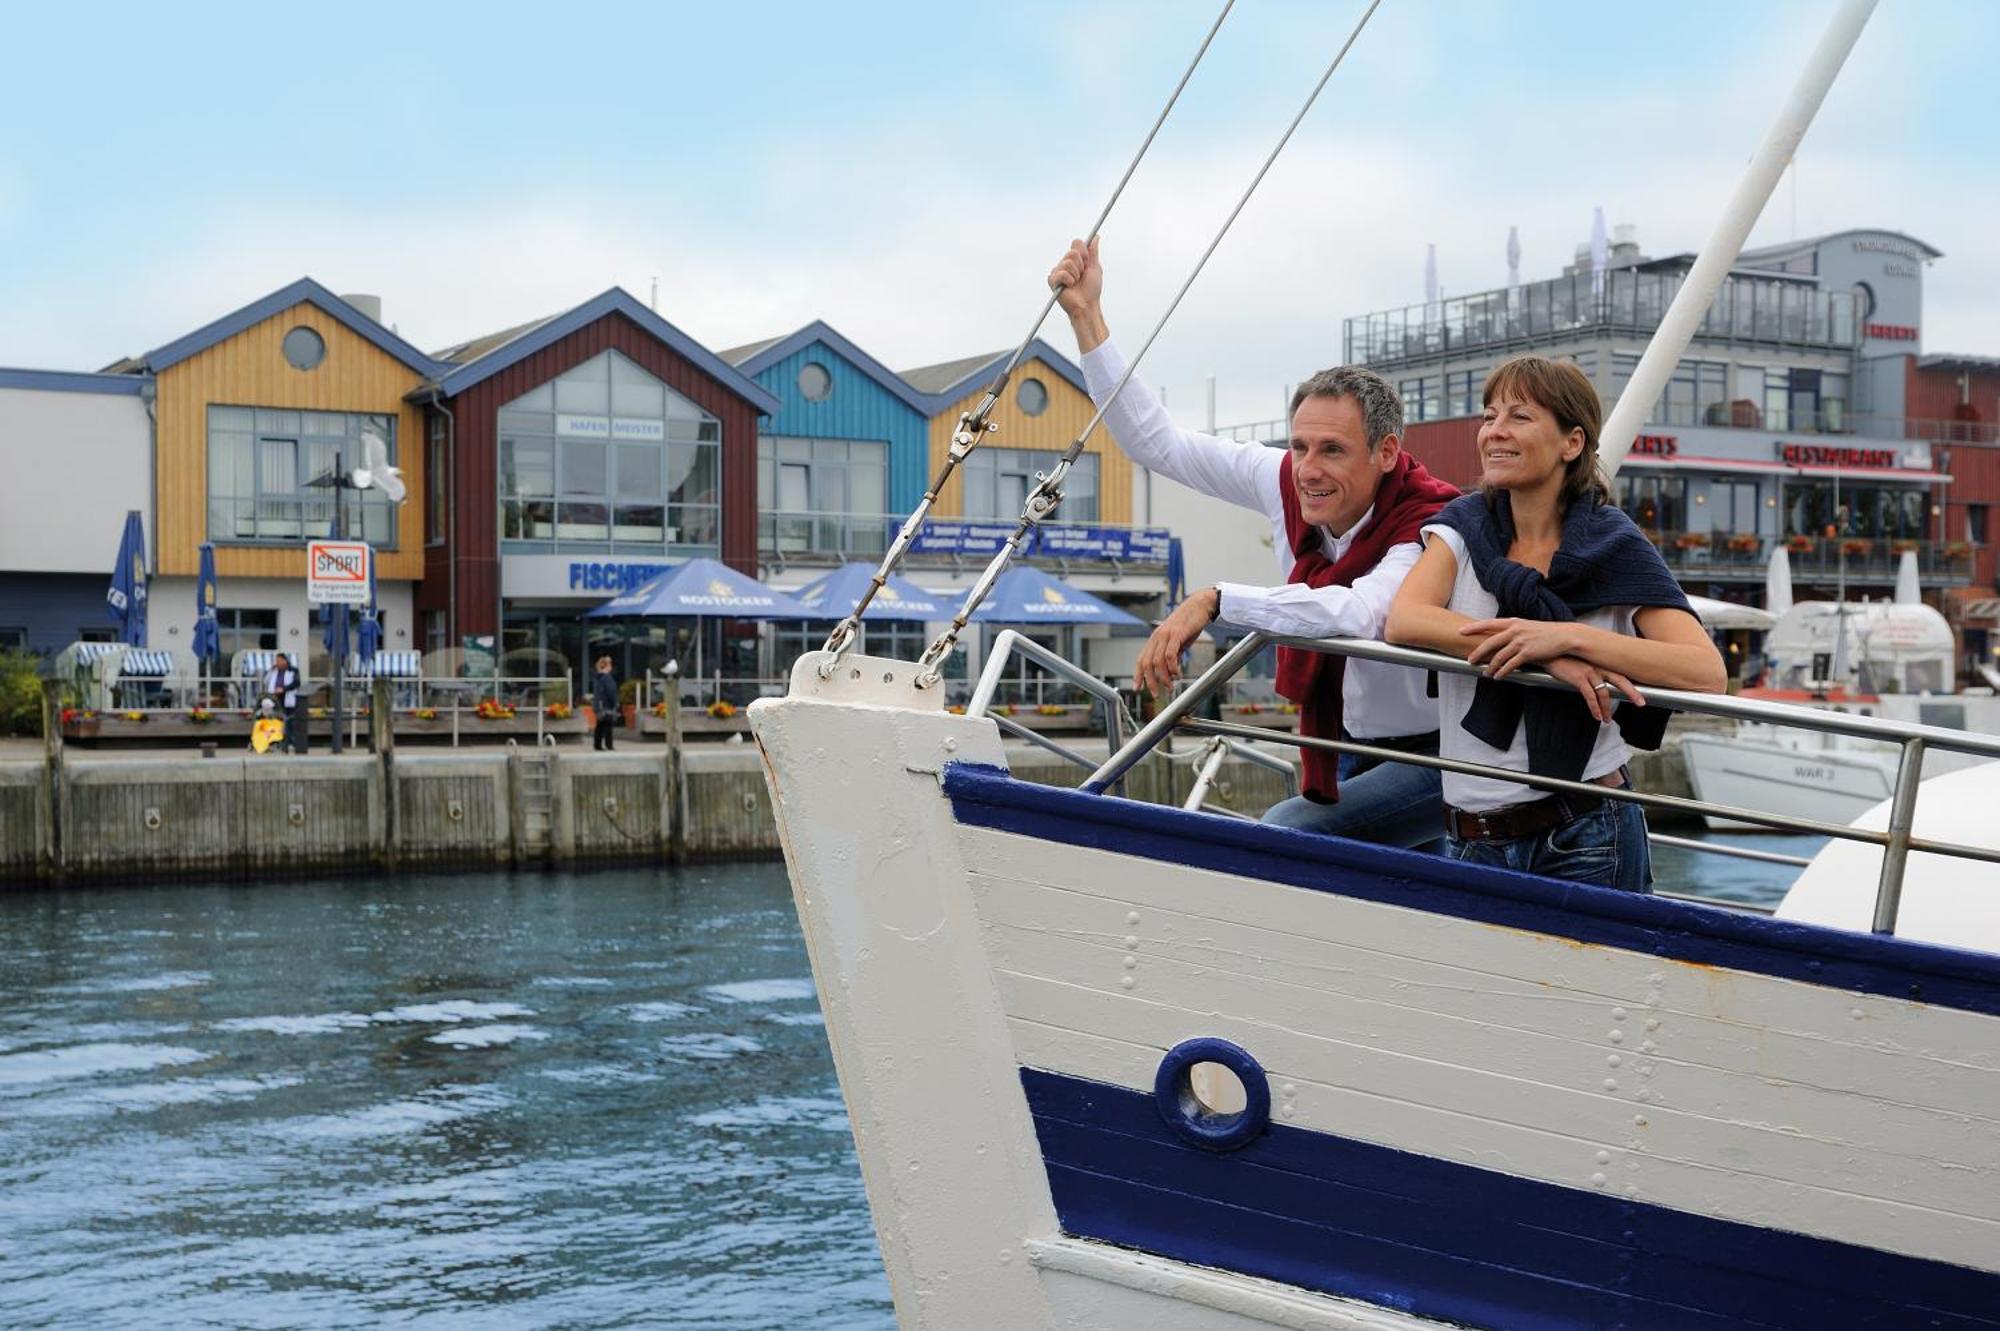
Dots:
(281, 685)
(604, 701)
(1345, 504)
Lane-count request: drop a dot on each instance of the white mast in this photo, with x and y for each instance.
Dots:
(1726, 241)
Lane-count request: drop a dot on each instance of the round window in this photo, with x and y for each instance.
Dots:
(1031, 397)
(304, 349)
(815, 382)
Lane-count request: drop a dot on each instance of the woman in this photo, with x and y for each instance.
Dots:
(1539, 569)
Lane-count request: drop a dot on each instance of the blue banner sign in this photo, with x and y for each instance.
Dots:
(1148, 545)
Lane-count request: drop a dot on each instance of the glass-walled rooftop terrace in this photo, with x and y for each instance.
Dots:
(1771, 310)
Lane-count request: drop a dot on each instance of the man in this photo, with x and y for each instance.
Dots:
(281, 685)
(604, 701)
(1345, 503)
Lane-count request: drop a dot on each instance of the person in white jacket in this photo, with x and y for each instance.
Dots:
(1345, 450)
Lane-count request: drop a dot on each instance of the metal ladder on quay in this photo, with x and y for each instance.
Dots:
(537, 802)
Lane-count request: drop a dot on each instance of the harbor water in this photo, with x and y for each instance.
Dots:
(584, 1100)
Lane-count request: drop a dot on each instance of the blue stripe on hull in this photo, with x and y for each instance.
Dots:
(1457, 1243)
(1862, 963)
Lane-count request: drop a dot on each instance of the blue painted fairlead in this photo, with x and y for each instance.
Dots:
(1173, 1095)
(1457, 1243)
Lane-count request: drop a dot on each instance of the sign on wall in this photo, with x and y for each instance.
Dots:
(981, 540)
(337, 572)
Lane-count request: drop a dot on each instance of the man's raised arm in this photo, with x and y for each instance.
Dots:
(1237, 473)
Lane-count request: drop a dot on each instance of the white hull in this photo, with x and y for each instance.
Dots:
(1831, 786)
(1492, 1100)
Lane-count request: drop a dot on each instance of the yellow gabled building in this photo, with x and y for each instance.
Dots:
(246, 411)
(1043, 408)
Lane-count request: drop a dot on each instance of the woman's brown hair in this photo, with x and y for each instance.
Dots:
(1565, 392)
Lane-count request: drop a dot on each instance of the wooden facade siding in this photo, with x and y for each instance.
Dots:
(250, 370)
(476, 496)
(1054, 430)
(857, 408)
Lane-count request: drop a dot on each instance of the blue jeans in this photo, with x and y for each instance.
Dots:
(1389, 804)
(1607, 847)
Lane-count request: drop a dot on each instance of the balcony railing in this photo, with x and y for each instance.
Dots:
(1748, 308)
(1739, 415)
(1725, 555)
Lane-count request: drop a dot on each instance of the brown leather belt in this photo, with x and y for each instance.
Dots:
(1525, 820)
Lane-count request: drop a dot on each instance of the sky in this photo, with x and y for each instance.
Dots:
(908, 172)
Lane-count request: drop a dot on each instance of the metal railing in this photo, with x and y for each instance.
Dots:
(1116, 719)
(1896, 841)
(1736, 554)
(1769, 310)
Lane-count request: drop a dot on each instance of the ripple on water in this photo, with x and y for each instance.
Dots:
(710, 1045)
(762, 991)
(486, 1037)
(662, 1011)
(136, 984)
(825, 1113)
(326, 1023)
(90, 1060)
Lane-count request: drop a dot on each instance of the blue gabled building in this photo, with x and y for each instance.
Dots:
(845, 455)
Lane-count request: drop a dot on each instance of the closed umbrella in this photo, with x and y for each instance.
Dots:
(368, 637)
(125, 602)
(207, 630)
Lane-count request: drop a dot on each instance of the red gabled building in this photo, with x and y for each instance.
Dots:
(573, 458)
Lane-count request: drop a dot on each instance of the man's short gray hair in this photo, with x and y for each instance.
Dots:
(1381, 409)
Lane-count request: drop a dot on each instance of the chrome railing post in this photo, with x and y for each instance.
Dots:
(1902, 821)
(1122, 761)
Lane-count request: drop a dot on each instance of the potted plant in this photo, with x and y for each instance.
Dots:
(1743, 543)
(492, 709)
(559, 711)
(628, 702)
(78, 722)
(722, 710)
(200, 716)
(1799, 545)
(1854, 547)
(1957, 549)
(1691, 540)
(425, 713)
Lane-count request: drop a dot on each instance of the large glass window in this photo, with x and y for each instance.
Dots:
(260, 461)
(828, 496)
(1878, 512)
(997, 482)
(607, 458)
(1657, 503)
(246, 631)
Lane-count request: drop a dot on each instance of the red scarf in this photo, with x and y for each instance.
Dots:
(1408, 498)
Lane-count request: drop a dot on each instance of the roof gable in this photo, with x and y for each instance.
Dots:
(760, 356)
(945, 384)
(455, 380)
(303, 291)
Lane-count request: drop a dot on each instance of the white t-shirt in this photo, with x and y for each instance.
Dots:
(1480, 794)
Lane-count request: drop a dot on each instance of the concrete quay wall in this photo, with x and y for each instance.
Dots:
(142, 816)
(146, 816)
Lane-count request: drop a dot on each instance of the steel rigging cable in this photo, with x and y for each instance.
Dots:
(975, 423)
(1042, 500)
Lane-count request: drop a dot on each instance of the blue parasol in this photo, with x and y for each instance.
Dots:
(125, 602)
(207, 631)
(702, 589)
(1026, 595)
(835, 596)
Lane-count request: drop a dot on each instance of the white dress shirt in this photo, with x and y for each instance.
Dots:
(1377, 700)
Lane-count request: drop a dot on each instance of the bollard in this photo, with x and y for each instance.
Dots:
(52, 776)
